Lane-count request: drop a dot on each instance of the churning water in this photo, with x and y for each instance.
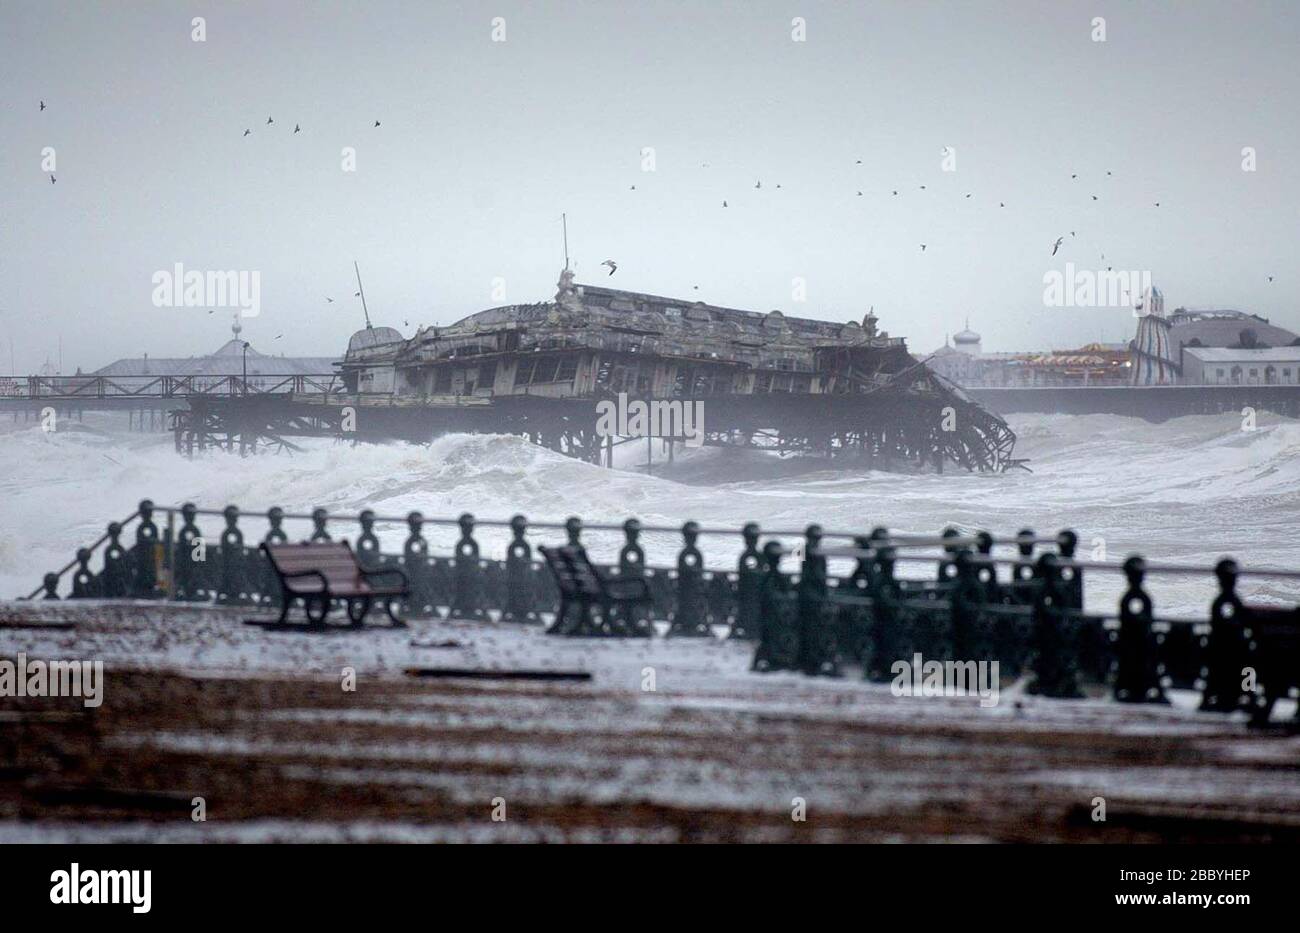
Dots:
(1188, 490)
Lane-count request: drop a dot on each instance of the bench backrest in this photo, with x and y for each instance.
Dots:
(332, 559)
(574, 573)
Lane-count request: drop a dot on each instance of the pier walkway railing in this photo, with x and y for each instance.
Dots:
(1017, 600)
(164, 386)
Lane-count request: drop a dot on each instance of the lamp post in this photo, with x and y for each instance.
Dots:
(245, 382)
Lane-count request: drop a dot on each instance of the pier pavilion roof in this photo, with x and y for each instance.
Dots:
(226, 360)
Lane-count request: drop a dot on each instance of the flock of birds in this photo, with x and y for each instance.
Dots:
(296, 128)
(758, 185)
(894, 192)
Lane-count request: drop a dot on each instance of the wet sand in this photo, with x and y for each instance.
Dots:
(258, 724)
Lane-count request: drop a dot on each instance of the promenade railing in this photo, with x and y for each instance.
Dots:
(1017, 600)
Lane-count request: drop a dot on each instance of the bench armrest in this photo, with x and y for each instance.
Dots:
(325, 584)
(406, 583)
(633, 587)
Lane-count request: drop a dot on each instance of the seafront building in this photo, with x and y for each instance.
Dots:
(1184, 347)
(235, 357)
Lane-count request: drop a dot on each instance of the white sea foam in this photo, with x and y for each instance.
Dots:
(1191, 489)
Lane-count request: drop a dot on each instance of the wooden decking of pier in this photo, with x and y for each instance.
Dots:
(258, 724)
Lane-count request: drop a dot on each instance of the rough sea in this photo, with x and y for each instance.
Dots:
(1189, 491)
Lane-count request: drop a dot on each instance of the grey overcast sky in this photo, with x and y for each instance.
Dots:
(483, 144)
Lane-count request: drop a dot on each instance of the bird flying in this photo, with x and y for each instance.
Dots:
(1057, 244)
(613, 266)
(42, 105)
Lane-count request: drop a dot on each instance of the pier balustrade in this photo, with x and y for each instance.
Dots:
(1017, 600)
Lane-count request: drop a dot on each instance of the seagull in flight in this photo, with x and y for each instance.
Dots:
(613, 266)
(923, 247)
(329, 300)
(1057, 244)
(758, 184)
(297, 128)
(724, 203)
(42, 105)
(376, 123)
(269, 121)
(247, 132)
(52, 178)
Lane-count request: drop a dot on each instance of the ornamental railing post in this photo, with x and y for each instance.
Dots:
(1225, 648)
(886, 641)
(1136, 677)
(1055, 664)
(415, 562)
(466, 600)
(778, 642)
(234, 589)
(749, 580)
(633, 620)
(318, 519)
(520, 605)
(115, 579)
(690, 617)
(144, 555)
(817, 648)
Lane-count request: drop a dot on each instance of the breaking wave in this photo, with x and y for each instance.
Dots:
(1189, 489)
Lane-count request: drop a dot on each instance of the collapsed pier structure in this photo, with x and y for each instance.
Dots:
(764, 380)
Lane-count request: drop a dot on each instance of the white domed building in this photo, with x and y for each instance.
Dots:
(959, 360)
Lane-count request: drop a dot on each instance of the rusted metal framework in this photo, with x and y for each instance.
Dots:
(86, 388)
(791, 384)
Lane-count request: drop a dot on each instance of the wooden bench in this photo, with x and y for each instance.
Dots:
(581, 585)
(320, 572)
